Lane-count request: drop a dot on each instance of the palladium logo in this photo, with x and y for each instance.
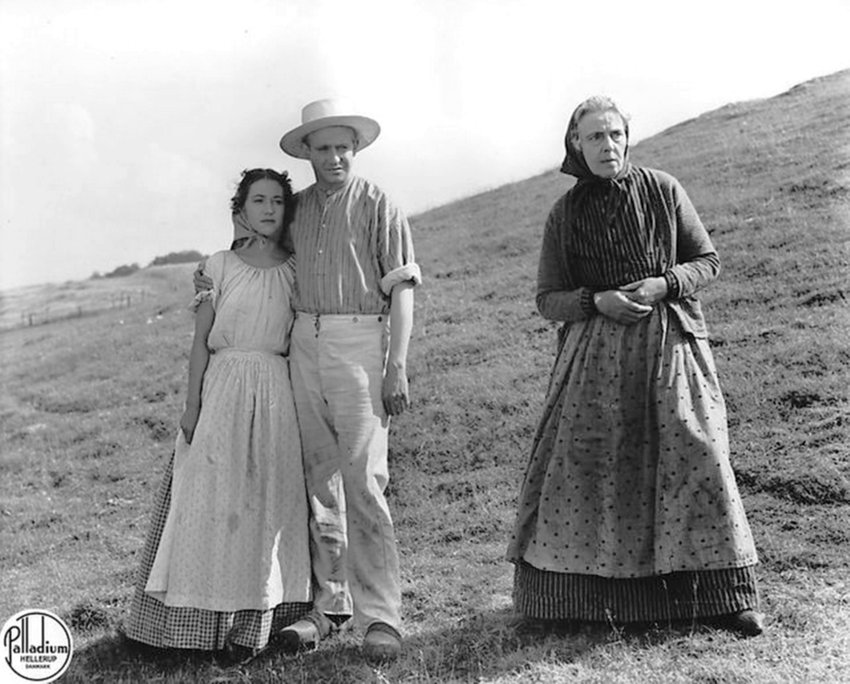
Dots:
(37, 647)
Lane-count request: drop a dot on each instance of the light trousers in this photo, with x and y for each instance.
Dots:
(337, 368)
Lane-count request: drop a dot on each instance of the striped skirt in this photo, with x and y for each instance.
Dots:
(153, 623)
(689, 595)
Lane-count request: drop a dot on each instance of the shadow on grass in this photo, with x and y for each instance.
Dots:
(484, 645)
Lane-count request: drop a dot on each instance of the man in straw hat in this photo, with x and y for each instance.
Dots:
(355, 274)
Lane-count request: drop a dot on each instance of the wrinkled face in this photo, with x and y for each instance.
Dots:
(264, 207)
(602, 140)
(331, 154)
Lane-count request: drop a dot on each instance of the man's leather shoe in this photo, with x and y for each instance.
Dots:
(382, 643)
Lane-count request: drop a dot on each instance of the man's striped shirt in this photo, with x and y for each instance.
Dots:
(352, 246)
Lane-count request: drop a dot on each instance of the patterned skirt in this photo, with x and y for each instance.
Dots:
(629, 508)
(153, 623)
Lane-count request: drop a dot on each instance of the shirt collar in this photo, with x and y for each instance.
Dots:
(325, 193)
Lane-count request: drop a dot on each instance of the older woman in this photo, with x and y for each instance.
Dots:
(629, 511)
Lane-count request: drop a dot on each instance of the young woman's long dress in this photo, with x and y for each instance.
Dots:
(629, 510)
(227, 557)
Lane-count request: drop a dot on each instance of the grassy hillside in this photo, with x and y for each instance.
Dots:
(90, 405)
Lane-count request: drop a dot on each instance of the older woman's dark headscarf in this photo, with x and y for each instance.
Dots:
(574, 162)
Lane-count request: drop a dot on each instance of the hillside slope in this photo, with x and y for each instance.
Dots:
(90, 404)
(770, 179)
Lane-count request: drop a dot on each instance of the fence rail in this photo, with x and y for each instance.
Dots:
(60, 311)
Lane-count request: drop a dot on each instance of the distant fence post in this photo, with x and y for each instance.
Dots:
(122, 300)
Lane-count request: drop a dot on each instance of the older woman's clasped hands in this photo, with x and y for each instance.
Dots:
(631, 302)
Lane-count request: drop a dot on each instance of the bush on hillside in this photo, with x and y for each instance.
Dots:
(178, 258)
(122, 271)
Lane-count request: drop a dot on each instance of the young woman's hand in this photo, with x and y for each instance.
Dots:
(188, 421)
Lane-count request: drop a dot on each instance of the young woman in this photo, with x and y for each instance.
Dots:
(227, 560)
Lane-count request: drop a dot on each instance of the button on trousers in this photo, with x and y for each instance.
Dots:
(337, 368)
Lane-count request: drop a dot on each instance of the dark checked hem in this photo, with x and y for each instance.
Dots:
(547, 595)
(152, 622)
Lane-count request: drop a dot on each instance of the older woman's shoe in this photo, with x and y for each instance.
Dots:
(747, 622)
(381, 644)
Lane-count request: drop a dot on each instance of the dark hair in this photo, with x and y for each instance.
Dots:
(251, 176)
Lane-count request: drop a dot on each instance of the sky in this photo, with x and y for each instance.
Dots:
(124, 124)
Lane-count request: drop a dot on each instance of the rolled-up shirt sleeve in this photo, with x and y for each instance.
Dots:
(214, 269)
(403, 274)
(395, 247)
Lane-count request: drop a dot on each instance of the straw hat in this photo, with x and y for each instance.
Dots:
(325, 113)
